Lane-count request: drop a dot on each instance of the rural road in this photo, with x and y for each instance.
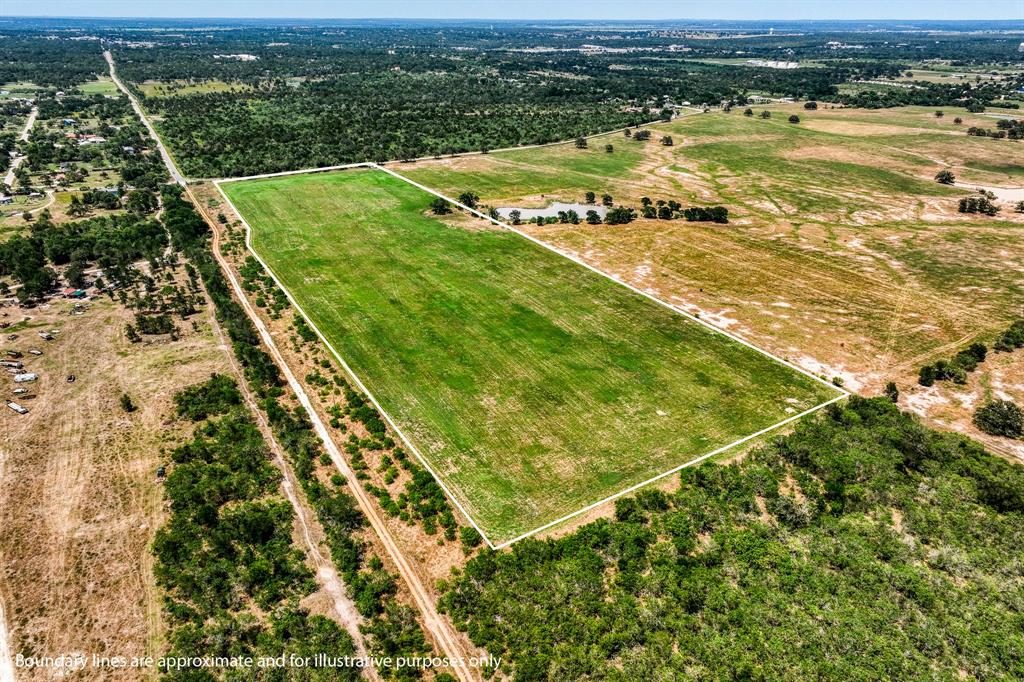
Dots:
(440, 630)
(168, 161)
(22, 137)
(1011, 194)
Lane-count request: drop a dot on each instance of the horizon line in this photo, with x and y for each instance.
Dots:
(505, 19)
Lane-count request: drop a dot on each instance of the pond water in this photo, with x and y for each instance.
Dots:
(1002, 193)
(551, 211)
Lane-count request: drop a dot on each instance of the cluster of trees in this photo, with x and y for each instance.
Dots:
(620, 215)
(955, 369)
(386, 115)
(1006, 128)
(53, 62)
(1000, 418)
(113, 243)
(83, 203)
(268, 294)
(422, 499)
(426, 98)
(974, 97)
(982, 204)
(671, 209)
(420, 101)
(861, 509)
(714, 214)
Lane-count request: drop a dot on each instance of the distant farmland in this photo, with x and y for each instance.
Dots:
(531, 385)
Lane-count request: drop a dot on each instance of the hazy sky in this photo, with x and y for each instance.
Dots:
(527, 9)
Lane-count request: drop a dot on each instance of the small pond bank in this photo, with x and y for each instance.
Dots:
(551, 211)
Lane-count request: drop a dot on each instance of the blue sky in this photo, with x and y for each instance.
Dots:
(528, 9)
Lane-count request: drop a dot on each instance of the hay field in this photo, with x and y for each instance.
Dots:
(532, 385)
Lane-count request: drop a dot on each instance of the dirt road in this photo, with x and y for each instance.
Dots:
(172, 168)
(22, 137)
(326, 573)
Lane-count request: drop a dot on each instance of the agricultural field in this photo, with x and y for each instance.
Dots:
(532, 385)
(103, 85)
(842, 253)
(185, 87)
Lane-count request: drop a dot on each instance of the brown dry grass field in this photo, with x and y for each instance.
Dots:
(842, 254)
(79, 499)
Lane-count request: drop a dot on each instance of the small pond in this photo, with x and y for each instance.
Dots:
(551, 211)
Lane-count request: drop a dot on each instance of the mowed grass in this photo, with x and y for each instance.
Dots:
(532, 385)
(561, 170)
(101, 86)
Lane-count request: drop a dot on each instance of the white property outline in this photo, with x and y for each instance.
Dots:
(843, 393)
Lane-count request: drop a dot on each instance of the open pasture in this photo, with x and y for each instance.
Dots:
(532, 385)
(842, 254)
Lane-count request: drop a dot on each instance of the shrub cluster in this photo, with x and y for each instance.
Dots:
(1011, 129)
(860, 508)
(981, 205)
(1000, 418)
(955, 369)
(1012, 338)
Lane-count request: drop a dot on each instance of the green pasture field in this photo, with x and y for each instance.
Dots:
(184, 87)
(532, 385)
(559, 169)
(843, 201)
(101, 86)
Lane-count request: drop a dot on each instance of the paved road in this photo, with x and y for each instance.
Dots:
(172, 168)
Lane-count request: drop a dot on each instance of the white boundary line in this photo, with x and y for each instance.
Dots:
(843, 393)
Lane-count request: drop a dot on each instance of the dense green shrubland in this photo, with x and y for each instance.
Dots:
(231, 575)
(861, 546)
